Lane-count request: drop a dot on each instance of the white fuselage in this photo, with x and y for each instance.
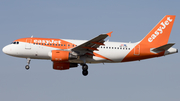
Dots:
(114, 51)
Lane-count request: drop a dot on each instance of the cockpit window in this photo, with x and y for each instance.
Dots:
(16, 42)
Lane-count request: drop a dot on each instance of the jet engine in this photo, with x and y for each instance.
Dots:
(60, 59)
(62, 56)
(63, 65)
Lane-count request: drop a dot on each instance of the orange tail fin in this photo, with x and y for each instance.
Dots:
(157, 38)
(159, 35)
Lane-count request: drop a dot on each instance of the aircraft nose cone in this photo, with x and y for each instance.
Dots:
(5, 50)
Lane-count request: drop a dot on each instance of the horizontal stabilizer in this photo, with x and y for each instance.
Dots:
(163, 48)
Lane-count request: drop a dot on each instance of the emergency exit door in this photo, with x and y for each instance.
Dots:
(137, 50)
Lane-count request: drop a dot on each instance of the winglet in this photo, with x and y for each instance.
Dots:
(109, 34)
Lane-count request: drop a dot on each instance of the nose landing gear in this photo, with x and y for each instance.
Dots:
(85, 69)
(28, 62)
(27, 67)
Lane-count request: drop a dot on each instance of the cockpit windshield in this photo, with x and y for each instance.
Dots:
(16, 42)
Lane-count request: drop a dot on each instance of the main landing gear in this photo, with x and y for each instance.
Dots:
(85, 69)
(28, 62)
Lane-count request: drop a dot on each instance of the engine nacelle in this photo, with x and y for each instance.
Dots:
(60, 59)
(58, 55)
(63, 65)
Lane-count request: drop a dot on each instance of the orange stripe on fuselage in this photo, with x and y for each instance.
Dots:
(98, 55)
(49, 42)
(144, 53)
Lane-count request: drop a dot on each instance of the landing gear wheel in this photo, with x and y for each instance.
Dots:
(84, 67)
(85, 72)
(28, 62)
(27, 67)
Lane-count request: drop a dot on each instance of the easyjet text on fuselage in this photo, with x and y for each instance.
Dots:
(48, 41)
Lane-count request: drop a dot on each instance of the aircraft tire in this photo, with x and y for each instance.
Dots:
(85, 67)
(85, 72)
(27, 67)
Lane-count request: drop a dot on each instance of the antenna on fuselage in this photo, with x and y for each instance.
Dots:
(32, 36)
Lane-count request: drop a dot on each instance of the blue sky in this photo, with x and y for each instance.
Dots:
(148, 80)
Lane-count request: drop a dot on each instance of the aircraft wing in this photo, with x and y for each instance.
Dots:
(91, 45)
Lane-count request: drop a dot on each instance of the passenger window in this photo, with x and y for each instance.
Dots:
(64, 44)
(17, 42)
(61, 44)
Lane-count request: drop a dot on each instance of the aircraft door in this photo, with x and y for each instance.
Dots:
(28, 44)
(137, 50)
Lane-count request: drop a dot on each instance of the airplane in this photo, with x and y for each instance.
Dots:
(67, 53)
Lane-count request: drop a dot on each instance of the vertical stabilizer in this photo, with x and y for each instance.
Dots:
(159, 35)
